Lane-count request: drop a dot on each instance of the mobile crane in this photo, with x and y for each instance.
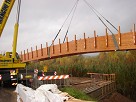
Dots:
(10, 62)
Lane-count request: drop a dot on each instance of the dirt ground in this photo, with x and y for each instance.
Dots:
(116, 97)
(8, 95)
(76, 82)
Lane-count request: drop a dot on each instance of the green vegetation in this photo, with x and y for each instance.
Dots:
(76, 93)
(122, 63)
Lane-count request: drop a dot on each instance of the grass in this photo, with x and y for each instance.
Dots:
(77, 93)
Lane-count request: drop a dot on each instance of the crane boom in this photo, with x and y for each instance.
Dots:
(16, 31)
(10, 62)
(10, 59)
(4, 13)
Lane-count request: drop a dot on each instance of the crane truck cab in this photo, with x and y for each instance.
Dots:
(9, 68)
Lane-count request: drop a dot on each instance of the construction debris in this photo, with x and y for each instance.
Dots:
(45, 93)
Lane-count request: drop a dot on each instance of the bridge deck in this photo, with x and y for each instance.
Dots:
(126, 41)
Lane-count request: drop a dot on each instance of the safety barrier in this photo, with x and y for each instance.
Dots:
(59, 80)
(53, 77)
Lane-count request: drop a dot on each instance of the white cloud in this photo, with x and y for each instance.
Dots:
(40, 20)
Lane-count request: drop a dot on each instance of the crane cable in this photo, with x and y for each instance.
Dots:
(70, 21)
(100, 15)
(62, 26)
(18, 11)
(65, 21)
(95, 11)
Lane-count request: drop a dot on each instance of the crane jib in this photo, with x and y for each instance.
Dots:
(7, 1)
(3, 10)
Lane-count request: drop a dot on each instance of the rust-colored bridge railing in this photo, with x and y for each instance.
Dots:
(126, 41)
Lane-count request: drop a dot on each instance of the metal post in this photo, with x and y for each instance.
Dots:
(25, 76)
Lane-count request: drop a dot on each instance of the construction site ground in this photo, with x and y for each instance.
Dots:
(7, 94)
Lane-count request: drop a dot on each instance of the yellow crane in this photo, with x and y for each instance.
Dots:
(10, 61)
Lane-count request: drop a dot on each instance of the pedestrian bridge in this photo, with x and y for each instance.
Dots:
(125, 41)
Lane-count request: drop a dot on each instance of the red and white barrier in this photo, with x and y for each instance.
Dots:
(53, 77)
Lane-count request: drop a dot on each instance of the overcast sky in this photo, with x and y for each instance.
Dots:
(40, 20)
